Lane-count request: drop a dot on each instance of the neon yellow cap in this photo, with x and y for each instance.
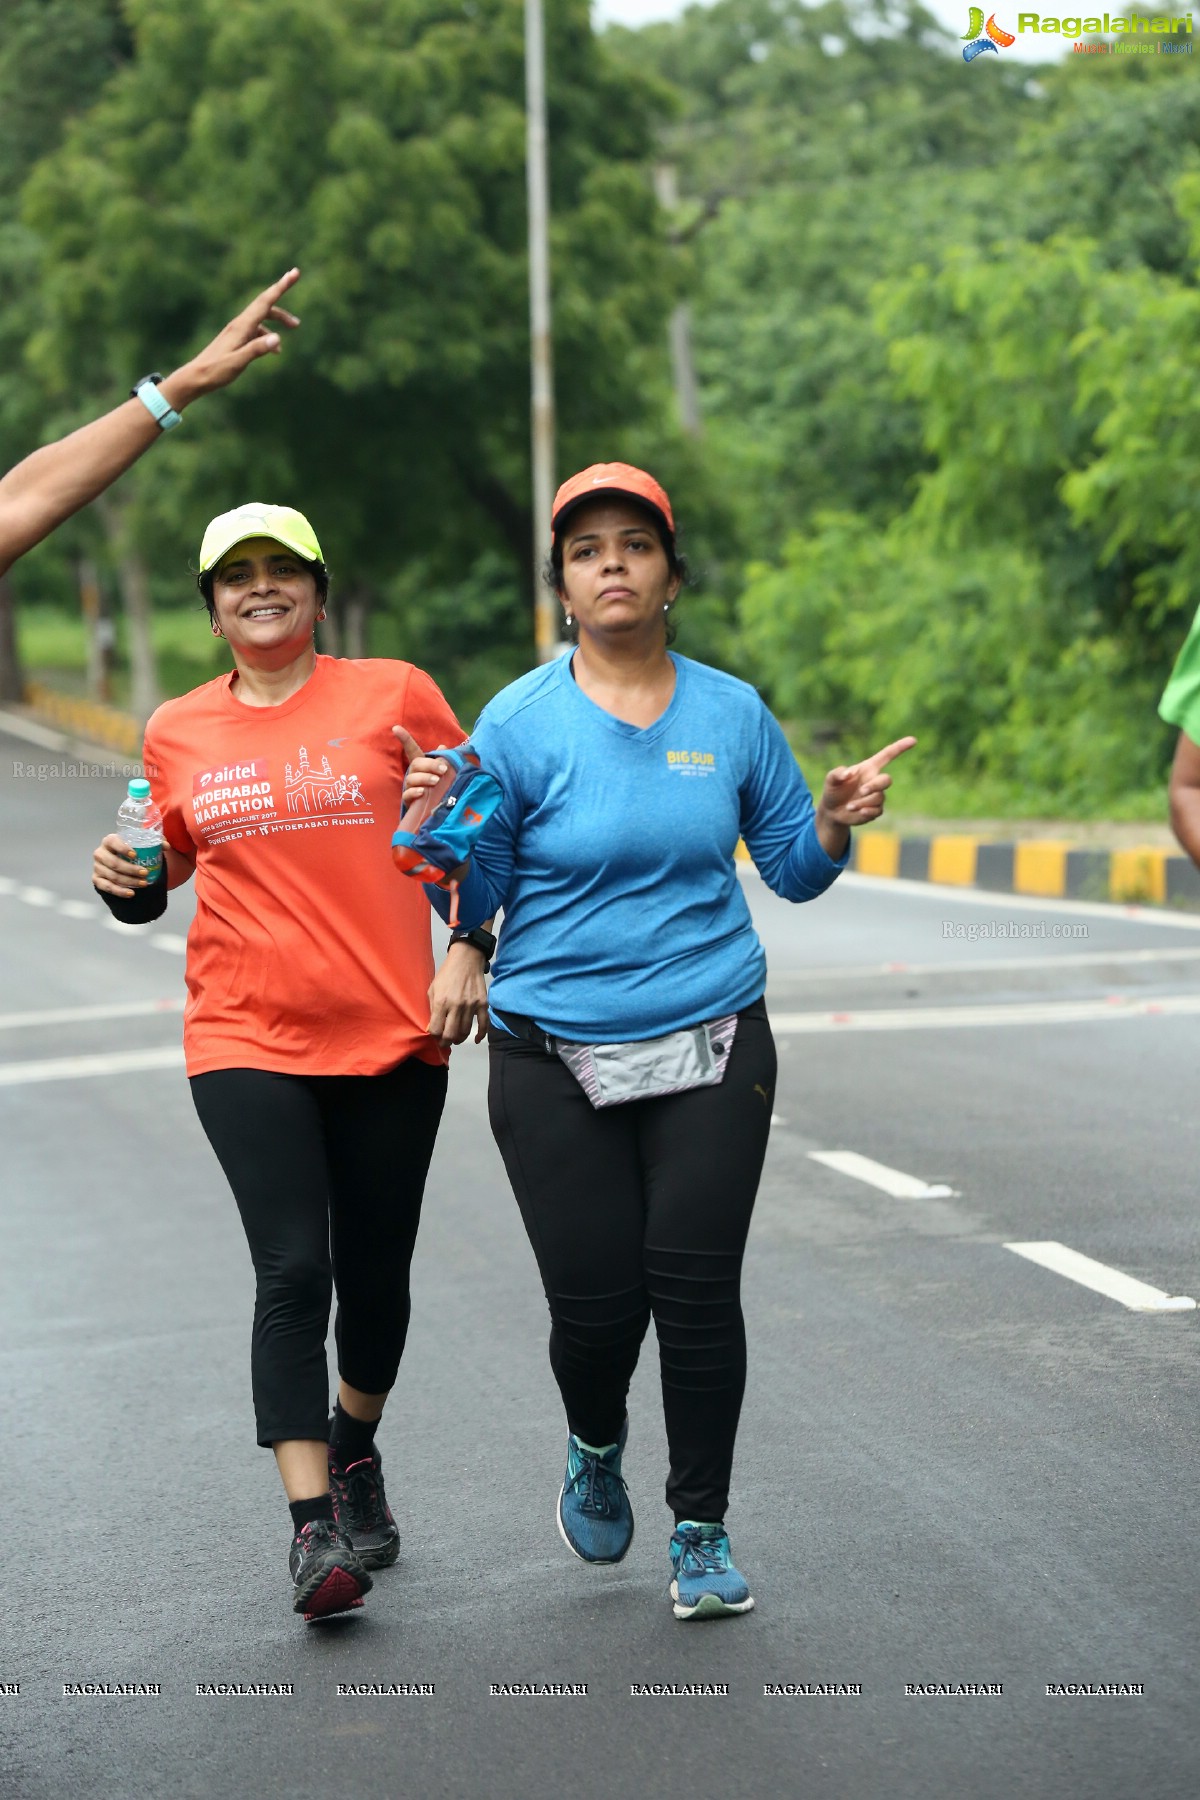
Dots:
(283, 523)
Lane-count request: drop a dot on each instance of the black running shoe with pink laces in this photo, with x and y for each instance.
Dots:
(326, 1574)
(362, 1512)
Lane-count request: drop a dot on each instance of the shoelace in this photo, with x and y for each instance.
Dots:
(316, 1535)
(362, 1494)
(598, 1493)
(703, 1555)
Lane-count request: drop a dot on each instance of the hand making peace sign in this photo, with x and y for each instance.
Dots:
(246, 338)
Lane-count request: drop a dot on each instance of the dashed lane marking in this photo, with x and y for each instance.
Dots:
(70, 1068)
(958, 1018)
(892, 1181)
(78, 1015)
(1138, 1296)
(83, 909)
(998, 965)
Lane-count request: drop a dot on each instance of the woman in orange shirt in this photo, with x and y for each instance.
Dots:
(305, 1032)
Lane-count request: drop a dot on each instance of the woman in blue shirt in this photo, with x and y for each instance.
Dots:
(629, 775)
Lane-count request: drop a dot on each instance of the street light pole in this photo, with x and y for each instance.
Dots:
(687, 394)
(545, 610)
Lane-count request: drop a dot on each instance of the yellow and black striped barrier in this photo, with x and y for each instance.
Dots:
(1145, 875)
(1056, 869)
(89, 720)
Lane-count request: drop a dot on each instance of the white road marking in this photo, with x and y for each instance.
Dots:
(83, 909)
(997, 964)
(72, 1015)
(893, 1181)
(929, 890)
(1086, 909)
(68, 1068)
(21, 727)
(943, 1018)
(1138, 1296)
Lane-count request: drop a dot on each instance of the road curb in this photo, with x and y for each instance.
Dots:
(22, 722)
(1144, 875)
(88, 720)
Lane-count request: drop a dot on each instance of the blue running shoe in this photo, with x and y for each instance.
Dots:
(706, 1584)
(594, 1514)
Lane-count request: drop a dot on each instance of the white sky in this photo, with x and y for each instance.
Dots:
(951, 13)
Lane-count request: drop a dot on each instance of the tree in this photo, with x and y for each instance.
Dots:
(68, 48)
(380, 144)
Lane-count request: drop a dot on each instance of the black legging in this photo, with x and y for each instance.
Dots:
(636, 1210)
(328, 1172)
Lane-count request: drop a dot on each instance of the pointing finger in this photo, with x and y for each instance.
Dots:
(260, 307)
(890, 751)
(408, 743)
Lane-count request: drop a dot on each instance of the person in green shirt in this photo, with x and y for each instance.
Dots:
(1180, 705)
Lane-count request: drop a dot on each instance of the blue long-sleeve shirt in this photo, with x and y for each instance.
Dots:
(612, 854)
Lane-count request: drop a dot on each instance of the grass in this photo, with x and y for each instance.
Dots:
(53, 647)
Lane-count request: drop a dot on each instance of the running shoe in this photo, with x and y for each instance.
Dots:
(706, 1584)
(326, 1574)
(594, 1514)
(362, 1512)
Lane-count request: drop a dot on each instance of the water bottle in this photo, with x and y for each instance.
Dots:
(139, 822)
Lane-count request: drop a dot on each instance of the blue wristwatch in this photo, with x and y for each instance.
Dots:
(159, 408)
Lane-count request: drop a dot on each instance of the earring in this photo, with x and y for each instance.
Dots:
(320, 615)
(216, 630)
(667, 607)
(568, 620)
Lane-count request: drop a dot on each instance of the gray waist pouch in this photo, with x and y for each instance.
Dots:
(610, 1074)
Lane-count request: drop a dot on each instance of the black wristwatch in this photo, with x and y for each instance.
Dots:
(482, 940)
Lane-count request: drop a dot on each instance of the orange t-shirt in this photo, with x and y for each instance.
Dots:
(309, 952)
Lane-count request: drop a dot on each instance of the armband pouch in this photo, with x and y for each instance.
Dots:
(439, 831)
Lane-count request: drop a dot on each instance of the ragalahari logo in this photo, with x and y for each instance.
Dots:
(996, 39)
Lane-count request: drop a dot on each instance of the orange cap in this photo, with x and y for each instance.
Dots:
(612, 478)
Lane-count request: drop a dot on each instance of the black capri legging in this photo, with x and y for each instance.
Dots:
(328, 1172)
(639, 1210)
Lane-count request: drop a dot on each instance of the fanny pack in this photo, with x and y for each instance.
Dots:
(611, 1074)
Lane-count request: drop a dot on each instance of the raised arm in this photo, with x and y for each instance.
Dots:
(63, 477)
(1184, 796)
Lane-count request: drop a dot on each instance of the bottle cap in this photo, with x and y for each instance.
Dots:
(139, 789)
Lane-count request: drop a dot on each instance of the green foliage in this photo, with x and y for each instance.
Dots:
(946, 331)
(380, 144)
(965, 648)
(945, 327)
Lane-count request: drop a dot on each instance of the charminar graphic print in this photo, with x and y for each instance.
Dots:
(307, 954)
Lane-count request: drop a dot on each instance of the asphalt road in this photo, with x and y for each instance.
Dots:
(955, 1466)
